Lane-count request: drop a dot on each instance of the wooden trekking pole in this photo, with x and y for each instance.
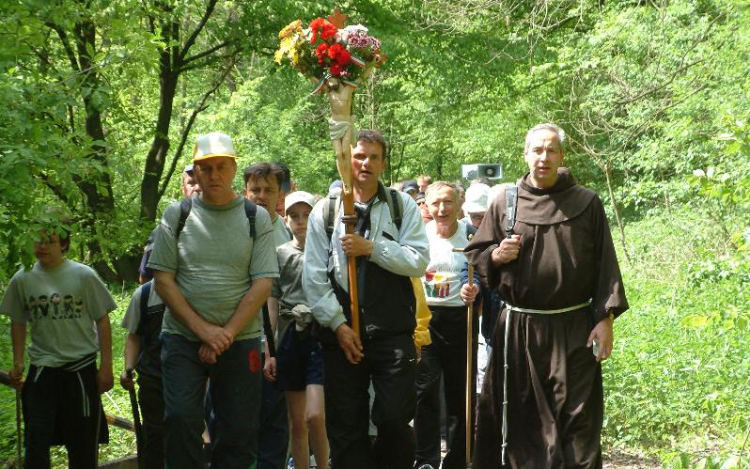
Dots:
(19, 457)
(469, 367)
(136, 422)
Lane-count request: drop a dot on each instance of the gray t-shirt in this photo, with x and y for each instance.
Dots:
(132, 318)
(281, 233)
(214, 261)
(288, 289)
(60, 306)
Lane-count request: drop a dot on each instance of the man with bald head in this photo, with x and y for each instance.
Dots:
(555, 265)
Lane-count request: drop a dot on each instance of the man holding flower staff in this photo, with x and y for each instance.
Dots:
(384, 351)
(383, 245)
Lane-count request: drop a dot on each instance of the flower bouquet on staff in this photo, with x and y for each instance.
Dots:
(336, 58)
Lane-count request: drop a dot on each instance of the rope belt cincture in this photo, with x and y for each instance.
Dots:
(509, 309)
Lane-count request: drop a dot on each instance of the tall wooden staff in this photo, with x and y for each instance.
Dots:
(469, 367)
(341, 124)
(336, 59)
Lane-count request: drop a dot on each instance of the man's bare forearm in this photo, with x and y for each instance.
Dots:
(249, 305)
(132, 350)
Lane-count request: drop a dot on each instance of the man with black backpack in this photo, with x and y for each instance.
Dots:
(387, 255)
(143, 354)
(214, 261)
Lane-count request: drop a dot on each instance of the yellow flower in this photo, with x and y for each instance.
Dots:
(290, 28)
(278, 56)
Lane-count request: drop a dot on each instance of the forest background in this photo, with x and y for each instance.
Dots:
(102, 100)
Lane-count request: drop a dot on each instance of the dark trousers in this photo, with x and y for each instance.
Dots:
(445, 356)
(62, 408)
(390, 362)
(151, 402)
(235, 393)
(274, 436)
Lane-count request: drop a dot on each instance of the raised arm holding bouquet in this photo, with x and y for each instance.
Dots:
(336, 58)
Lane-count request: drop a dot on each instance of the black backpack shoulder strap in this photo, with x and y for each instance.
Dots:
(329, 214)
(511, 205)
(395, 206)
(145, 293)
(250, 211)
(185, 206)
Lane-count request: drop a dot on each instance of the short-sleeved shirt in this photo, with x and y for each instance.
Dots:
(281, 233)
(214, 260)
(60, 306)
(289, 289)
(442, 280)
(149, 360)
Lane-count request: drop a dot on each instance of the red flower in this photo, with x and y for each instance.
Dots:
(315, 26)
(328, 31)
(321, 27)
(344, 57)
(335, 70)
(321, 51)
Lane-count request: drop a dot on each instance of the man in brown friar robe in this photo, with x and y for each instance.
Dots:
(559, 274)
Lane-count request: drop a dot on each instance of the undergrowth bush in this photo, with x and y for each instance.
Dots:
(678, 380)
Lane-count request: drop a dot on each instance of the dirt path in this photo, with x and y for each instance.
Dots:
(615, 459)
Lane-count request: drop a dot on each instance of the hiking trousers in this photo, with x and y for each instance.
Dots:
(235, 393)
(390, 362)
(62, 408)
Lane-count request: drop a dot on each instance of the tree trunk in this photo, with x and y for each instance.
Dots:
(99, 198)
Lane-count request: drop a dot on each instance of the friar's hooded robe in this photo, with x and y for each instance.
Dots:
(567, 258)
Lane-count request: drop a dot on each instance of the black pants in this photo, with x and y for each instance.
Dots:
(151, 401)
(62, 408)
(446, 355)
(391, 364)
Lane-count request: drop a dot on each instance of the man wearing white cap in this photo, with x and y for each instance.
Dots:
(297, 369)
(475, 206)
(214, 268)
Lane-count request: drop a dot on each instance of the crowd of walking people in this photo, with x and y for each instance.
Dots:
(241, 332)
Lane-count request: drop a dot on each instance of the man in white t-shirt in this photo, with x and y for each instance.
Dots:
(446, 354)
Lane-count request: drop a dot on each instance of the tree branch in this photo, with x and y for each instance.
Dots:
(191, 40)
(200, 107)
(66, 45)
(205, 53)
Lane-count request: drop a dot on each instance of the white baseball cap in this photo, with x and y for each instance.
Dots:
(297, 197)
(213, 145)
(476, 198)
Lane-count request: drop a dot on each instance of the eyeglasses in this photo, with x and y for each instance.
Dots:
(476, 216)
